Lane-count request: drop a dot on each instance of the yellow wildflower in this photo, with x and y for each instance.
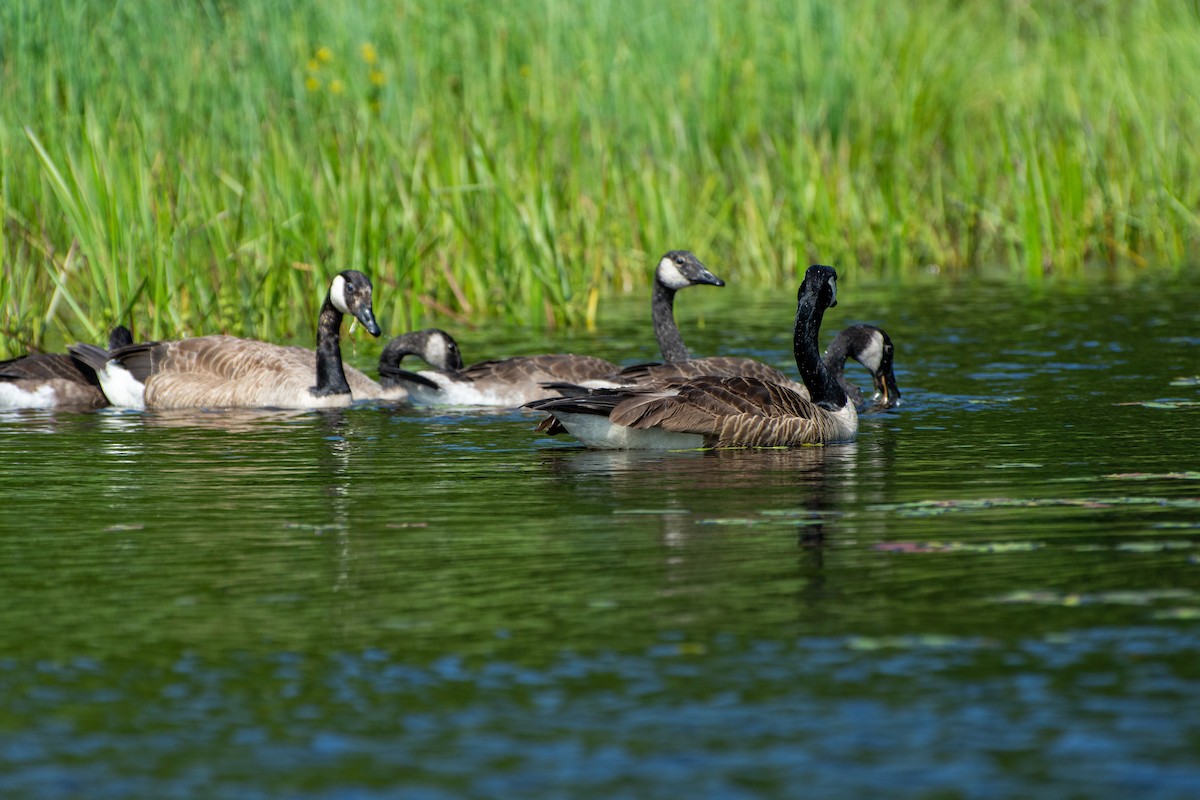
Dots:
(369, 54)
(336, 86)
(313, 65)
(312, 84)
(377, 77)
(324, 54)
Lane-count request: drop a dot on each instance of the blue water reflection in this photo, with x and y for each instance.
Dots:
(993, 593)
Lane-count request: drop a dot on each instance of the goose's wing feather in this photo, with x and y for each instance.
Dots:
(728, 412)
(535, 370)
(723, 366)
(48, 366)
(395, 375)
(220, 371)
(362, 385)
(726, 366)
(49, 380)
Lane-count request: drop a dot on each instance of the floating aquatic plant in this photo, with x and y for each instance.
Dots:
(1182, 612)
(1069, 599)
(957, 547)
(933, 508)
(778, 521)
(918, 641)
(1168, 405)
(1148, 476)
(1025, 547)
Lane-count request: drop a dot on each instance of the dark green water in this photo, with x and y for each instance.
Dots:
(994, 593)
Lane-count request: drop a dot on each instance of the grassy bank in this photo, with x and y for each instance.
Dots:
(202, 166)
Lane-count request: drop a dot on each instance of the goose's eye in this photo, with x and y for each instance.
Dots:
(679, 260)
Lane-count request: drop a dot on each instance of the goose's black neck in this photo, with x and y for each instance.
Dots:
(662, 312)
(835, 361)
(331, 377)
(406, 344)
(822, 384)
(837, 352)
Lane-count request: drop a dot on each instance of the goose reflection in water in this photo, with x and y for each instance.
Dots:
(721, 510)
(229, 420)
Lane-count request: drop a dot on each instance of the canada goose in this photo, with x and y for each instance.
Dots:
(676, 270)
(434, 346)
(871, 347)
(509, 382)
(866, 344)
(228, 372)
(722, 412)
(515, 381)
(55, 380)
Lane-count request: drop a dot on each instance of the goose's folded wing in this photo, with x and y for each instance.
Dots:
(539, 369)
(47, 366)
(660, 375)
(725, 410)
(220, 371)
(225, 357)
(207, 390)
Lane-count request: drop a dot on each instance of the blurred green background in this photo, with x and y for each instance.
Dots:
(200, 166)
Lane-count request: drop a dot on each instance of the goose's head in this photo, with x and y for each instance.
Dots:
(350, 294)
(819, 284)
(439, 349)
(679, 269)
(872, 347)
(436, 347)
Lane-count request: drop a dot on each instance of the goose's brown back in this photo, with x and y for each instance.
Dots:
(226, 372)
(736, 412)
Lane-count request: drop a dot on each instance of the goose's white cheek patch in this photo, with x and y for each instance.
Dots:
(438, 355)
(670, 276)
(337, 294)
(872, 354)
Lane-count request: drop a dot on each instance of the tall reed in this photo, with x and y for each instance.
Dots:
(205, 166)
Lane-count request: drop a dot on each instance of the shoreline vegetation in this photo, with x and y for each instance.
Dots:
(202, 167)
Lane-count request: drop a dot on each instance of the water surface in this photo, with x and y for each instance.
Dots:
(995, 592)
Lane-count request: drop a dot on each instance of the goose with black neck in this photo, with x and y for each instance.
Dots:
(722, 412)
